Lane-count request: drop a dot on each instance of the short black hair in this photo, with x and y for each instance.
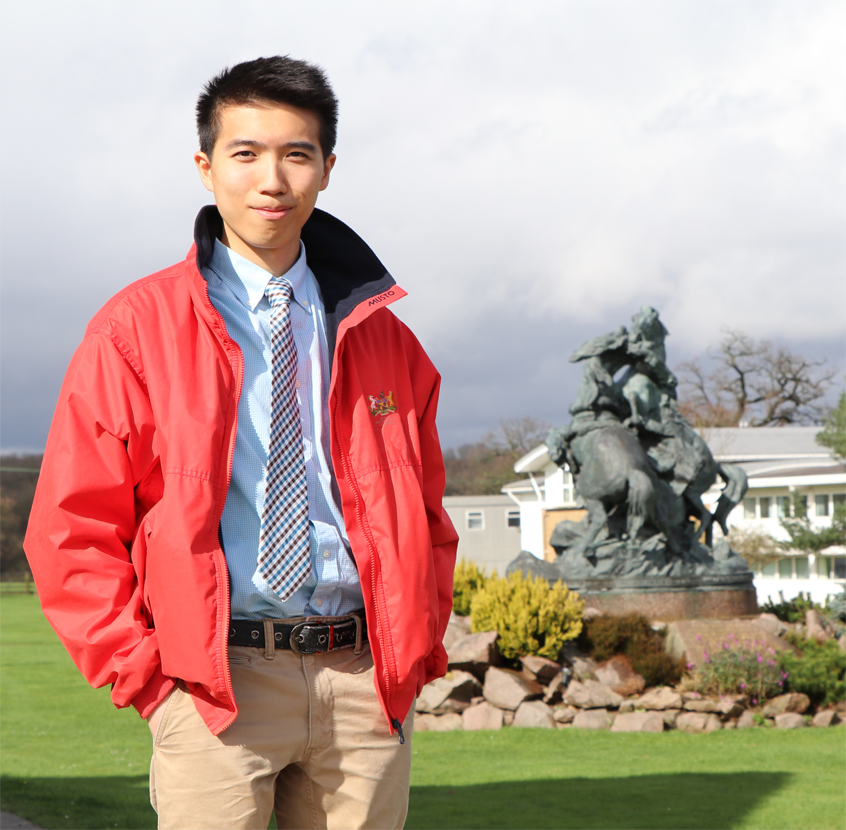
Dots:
(277, 80)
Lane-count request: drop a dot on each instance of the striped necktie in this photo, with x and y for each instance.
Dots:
(284, 553)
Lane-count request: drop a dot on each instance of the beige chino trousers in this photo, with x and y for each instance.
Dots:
(310, 745)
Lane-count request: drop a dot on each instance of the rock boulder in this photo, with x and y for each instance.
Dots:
(639, 722)
(482, 716)
(746, 720)
(474, 653)
(555, 690)
(564, 714)
(695, 722)
(828, 717)
(598, 719)
(661, 697)
(618, 674)
(701, 705)
(540, 668)
(591, 694)
(534, 714)
(507, 689)
(452, 693)
(457, 628)
(791, 702)
(790, 720)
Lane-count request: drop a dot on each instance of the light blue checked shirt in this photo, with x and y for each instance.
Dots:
(236, 289)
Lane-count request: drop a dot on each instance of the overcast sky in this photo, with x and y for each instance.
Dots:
(531, 173)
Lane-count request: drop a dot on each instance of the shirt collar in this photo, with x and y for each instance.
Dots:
(249, 281)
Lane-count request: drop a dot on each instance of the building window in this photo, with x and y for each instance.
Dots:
(768, 569)
(749, 508)
(839, 567)
(764, 504)
(512, 518)
(783, 507)
(475, 519)
(569, 497)
(785, 568)
(821, 505)
(801, 567)
(838, 500)
(823, 567)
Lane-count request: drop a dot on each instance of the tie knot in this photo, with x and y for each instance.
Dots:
(279, 291)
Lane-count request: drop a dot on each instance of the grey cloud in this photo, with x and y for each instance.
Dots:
(531, 179)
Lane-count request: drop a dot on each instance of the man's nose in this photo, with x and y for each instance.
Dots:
(273, 178)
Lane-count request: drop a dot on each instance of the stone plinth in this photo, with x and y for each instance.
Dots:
(666, 598)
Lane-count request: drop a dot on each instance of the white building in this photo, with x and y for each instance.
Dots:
(488, 530)
(780, 462)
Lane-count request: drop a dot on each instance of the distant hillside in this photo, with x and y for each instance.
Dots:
(16, 491)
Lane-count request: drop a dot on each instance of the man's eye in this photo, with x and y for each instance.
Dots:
(244, 154)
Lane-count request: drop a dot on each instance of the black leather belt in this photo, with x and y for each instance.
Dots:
(304, 635)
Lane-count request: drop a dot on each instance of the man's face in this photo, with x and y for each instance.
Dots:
(265, 172)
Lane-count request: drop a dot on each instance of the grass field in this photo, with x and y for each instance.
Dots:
(70, 760)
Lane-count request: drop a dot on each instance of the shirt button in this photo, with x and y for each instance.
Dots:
(320, 603)
(326, 554)
(298, 384)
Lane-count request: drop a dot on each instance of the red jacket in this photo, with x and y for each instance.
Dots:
(123, 535)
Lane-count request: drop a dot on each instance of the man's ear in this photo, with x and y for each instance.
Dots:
(203, 163)
(327, 169)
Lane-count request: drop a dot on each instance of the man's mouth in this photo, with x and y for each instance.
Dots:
(272, 212)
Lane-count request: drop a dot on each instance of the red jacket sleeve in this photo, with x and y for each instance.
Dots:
(99, 477)
(441, 531)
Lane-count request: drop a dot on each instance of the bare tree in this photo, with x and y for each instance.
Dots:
(482, 468)
(517, 436)
(753, 382)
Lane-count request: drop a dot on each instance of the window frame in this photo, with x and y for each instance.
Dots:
(469, 515)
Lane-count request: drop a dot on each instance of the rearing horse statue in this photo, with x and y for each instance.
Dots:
(631, 450)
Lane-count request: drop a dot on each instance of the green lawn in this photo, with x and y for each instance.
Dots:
(70, 760)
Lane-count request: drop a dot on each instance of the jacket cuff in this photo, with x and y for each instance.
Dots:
(153, 693)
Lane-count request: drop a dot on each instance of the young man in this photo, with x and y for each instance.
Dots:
(238, 523)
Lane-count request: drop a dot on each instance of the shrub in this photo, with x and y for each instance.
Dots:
(632, 635)
(531, 617)
(791, 611)
(749, 668)
(467, 581)
(819, 671)
(835, 607)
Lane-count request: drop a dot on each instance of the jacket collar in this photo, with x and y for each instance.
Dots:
(346, 269)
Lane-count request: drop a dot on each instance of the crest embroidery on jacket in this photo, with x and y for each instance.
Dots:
(382, 404)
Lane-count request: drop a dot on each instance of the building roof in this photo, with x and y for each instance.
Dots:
(782, 470)
(533, 461)
(734, 444)
(758, 443)
(477, 501)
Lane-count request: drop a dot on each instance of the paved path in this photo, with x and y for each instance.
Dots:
(10, 822)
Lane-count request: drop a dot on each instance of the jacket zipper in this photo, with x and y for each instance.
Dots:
(221, 557)
(380, 616)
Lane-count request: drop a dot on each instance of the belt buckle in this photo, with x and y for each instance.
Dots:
(295, 639)
(292, 639)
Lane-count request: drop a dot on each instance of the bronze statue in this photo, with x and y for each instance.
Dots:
(640, 469)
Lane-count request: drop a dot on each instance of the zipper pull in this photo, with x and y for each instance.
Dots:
(398, 726)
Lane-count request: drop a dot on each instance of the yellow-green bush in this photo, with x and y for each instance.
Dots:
(467, 581)
(531, 617)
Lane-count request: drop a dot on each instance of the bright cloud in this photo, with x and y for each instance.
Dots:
(531, 179)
